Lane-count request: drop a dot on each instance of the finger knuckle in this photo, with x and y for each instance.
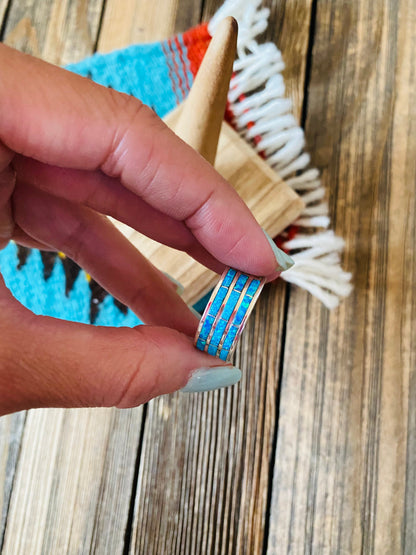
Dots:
(144, 375)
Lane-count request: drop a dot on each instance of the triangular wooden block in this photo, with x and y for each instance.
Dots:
(274, 204)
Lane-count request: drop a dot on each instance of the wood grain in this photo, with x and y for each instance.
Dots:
(60, 32)
(11, 431)
(290, 29)
(142, 21)
(3, 8)
(137, 22)
(346, 426)
(73, 483)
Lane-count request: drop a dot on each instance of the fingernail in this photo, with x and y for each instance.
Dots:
(194, 312)
(179, 287)
(206, 379)
(284, 261)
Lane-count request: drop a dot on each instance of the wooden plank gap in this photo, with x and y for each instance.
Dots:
(100, 24)
(268, 509)
(4, 20)
(14, 447)
(308, 67)
(130, 517)
(201, 11)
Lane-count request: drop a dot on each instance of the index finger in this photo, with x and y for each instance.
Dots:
(62, 119)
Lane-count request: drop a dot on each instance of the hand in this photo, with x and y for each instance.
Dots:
(71, 153)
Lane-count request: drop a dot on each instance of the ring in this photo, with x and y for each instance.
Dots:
(227, 312)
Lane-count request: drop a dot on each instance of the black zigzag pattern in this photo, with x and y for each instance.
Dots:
(71, 270)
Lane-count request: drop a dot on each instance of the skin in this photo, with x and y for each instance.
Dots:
(72, 152)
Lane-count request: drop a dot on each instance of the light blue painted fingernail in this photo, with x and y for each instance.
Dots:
(284, 261)
(206, 379)
(179, 287)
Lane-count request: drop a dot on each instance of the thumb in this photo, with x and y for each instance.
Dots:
(46, 362)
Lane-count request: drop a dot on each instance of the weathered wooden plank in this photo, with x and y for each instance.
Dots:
(11, 431)
(289, 28)
(205, 459)
(3, 8)
(57, 31)
(140, 21)
(399, 395)
(409, 525)
(72, 488)
(346, 444)
(188, 15)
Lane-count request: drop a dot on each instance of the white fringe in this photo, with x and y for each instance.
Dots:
(257, 97)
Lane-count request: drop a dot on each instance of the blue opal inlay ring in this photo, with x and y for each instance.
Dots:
(227, 312)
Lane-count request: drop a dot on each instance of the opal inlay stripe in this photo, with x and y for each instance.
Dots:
(231, 322)
(223, 304)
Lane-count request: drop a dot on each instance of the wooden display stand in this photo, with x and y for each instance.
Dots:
(199, 121)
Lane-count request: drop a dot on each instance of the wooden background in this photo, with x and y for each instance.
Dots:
(315, 451)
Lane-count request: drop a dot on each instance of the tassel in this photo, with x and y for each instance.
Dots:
(263, 116)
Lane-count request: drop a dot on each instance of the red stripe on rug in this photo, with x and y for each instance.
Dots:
(170, 72)
(176, 69)
(185, 69)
